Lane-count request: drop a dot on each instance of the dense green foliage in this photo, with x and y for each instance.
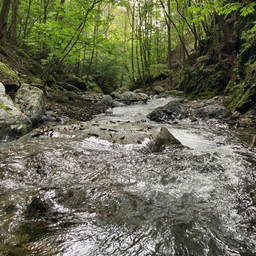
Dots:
(115, 43)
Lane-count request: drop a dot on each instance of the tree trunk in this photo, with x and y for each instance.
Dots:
(26, 21)
(132, 50)
(14, 22)
(71, 44)
(168, 23)
(179, 35)
(3, 21)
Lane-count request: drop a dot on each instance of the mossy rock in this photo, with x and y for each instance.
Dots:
(8, 76)
(241, 100)
(204, 84)
(30, 64)
(50, 80)
(71, 88)
(55, 87)
(77, 82)
(175, 93)
(121, 90)
(158, 89)
(138, 91)
(93, 87)
(241, 97)
(39, 84)
(107, 89)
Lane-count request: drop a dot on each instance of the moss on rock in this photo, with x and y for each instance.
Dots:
(93, 87)
(8, 76)
(204, 84)
(77, 82)
(121, 90)
(71, 88)
(242, 97)
(6, 109)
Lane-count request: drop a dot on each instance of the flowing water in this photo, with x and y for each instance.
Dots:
(73, 195)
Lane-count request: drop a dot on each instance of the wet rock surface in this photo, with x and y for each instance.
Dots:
(13, 123)
(115, 132)
(173, 110)
(211, 111)
(30, 100)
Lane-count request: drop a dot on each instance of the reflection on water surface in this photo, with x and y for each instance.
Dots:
(73, 195)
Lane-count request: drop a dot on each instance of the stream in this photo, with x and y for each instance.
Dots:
(74, 195)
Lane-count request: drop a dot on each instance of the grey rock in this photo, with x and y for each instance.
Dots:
(115, 95)
(116, 104)
(162, 139)
(142, 95)
(211, 111)
(31, 101)
(129, 96)
(173, 110)
(13, 123)
(106, 100)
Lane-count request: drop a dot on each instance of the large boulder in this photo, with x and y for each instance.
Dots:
(115, 95)
(173, 110)
(129, 96)
(211, 111)
(13, 123)
(31, 101)
(77, 82)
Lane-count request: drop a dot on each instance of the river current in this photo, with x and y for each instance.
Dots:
(94, 197)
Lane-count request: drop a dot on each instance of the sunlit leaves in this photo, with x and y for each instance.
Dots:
(248, 9)
(228, 8)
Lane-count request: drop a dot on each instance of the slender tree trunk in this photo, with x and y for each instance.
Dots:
(14, 22)
(3, 21)
(27, 17)
(180, 37)
(169, 41)
(217, 35)
(57, 14)
(224, 29)
(72, 42)
(137, 60)
(132, 49)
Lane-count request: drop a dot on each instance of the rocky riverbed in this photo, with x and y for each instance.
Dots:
(208, 111)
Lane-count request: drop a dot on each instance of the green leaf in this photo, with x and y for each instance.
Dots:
(247, 9)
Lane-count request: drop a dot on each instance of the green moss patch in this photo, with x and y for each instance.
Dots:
(93, 87)
(71, 88)
(7, 76)
(6, 109)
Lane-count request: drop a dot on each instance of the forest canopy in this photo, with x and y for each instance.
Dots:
(118, 42)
